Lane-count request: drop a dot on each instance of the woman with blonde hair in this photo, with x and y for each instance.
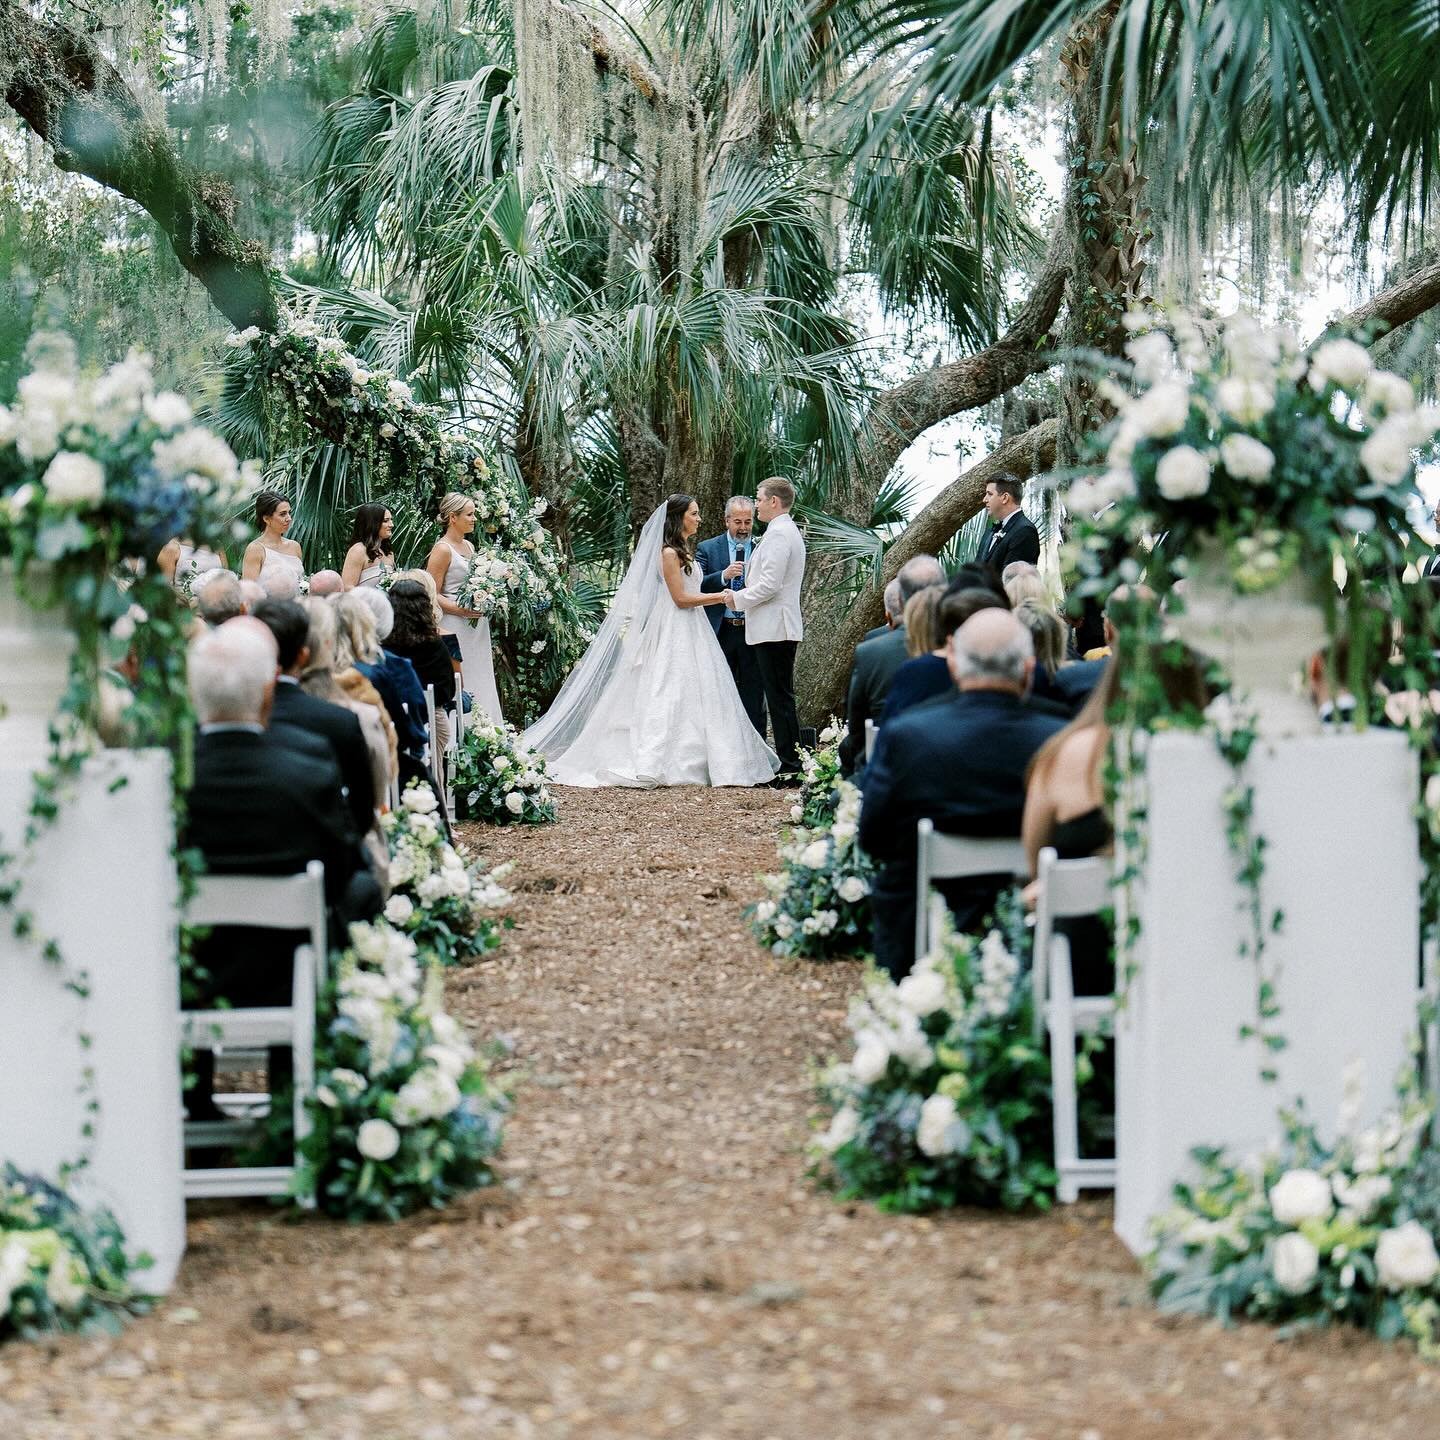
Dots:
(449, 566)
(361, 674)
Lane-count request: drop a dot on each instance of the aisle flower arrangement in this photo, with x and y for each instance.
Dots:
(446, 906)
(61, 1269)
(819, 779)
(499, 780)
(404, 1114)
(1313, 1232)
(946, 1099)
(818, 905)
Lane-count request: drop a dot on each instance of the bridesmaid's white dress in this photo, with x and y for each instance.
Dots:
(278, 562)
(192, 562)
(477, 658)
(371, 575)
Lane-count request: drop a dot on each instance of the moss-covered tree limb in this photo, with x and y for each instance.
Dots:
(62, 86)
(1397, 304)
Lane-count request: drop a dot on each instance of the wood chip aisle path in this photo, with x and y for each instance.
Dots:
(656, 1263)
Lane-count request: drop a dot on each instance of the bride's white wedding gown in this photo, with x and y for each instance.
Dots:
(653, 701)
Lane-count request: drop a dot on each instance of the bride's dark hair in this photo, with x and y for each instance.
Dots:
(675, 508)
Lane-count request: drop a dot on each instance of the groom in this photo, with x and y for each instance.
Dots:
(770, 603)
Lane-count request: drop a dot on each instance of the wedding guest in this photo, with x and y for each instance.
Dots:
(894, 613)
(926, 678)
(360, 673)
(961, 764)
(415, 636)
(317, 678)
(722, 561)
(280, 585)
(256, 807)
(326, 582)
(877, 660)
(218, 598)
(293, 709)
(182, 562)
(369, 558)
(974, 576)
(1022, 581)
(271, 552)
(1075, 681)
(252, 592)
(1050, 636)
(1013, 535)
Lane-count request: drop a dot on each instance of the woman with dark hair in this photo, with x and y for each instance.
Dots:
(271, 554)
(653, 701)
(415, 637)
(369, 557)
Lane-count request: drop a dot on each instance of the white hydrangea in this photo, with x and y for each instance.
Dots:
(872, 1058)
(167, 410)
(431, 888)
(1246, 458)
(1340, 362)
(1246, 401)
(814, 855)
(377, 1140)
(1183, 473)
(1161, 411)
(1294, 1262)
(784, 927)
(1405, 1257)
(844, 1126)
(74, 479)
(450, 1060)
(852, 889)
(765, 911)
(429, 1094)
(940, 1130)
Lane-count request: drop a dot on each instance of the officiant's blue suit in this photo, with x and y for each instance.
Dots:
(713, 556)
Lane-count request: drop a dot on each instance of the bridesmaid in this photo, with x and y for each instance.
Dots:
(181, 560)
(448, 565)
(369, 557)
(270, 553)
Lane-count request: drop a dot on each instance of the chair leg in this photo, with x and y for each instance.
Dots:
(1062, 1070)
(303, 1049)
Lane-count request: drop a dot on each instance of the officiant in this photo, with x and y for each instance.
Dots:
(722, 562)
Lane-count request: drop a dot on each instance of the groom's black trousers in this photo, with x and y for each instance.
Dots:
(746, 671)
(776, 659)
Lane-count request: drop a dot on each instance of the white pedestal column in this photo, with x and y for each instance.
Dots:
(103, 884)
(1343, 864)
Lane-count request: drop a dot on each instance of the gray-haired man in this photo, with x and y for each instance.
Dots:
(723, 559)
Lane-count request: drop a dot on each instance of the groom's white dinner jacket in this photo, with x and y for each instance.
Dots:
(771, 597)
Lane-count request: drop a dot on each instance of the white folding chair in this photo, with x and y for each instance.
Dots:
(285, 902)
(459, 727)
(952, 857)
(394, 789)
(871, 733)
(1430, 1035)
(1068, 890)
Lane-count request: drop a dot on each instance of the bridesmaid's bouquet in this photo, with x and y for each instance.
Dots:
(488, 585)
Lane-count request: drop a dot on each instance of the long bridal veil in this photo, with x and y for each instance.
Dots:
(620, 644)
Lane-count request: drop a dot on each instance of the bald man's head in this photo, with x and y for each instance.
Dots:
(326, 582)
(992, 650)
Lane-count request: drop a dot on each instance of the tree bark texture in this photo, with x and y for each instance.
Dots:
(60, 84)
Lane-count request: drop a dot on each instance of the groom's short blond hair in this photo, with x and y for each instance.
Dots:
(780, 488)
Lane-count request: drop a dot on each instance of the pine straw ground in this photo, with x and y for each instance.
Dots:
(655, 1262)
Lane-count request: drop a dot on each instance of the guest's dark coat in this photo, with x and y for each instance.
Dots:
(960, 763)
(876, 662)
(294, 709)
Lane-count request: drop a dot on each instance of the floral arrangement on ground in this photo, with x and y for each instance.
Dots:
(61, 1269)
(946, 1099)
(446, 905)
(500, 780)
(405, 1114)
(1314, 1232)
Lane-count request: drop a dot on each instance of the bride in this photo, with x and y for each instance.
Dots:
(653, 702)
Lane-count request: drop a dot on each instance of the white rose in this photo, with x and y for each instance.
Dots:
(844, 1126)
(1301, 1195)
(936, 1133)
(922, 993)
(447, 1059)
(1385, 454)
(1183, 473)
(765, 912)
(1405, 1257)
(431, 888)
(872, 1058)
(514, 802)
(1162, 410)
(1245, 400)
(1340, 362)
(421, 799)
(399, 909)
(377, 1140)
(852, 889)
(1246, 458)
(73, 479)
(167, 410)
(815, 854)
(1388, 394)
(65, 1282)
(796, 812)
(1361, 1195)
(500, 764)
(1294, 1262)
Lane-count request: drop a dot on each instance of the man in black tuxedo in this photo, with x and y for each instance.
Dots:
(257, 806)
(960, 763)
(295, 711)
(877, 660)
(1013, 536)
(722, 563)
(1431, 568)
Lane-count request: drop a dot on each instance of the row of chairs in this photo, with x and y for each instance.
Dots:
(440, 760)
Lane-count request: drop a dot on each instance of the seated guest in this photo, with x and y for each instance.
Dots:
(395, 670)
(971, 576)
(894, 613)
(218, 598)
(280, 585)
(252, 592)
(877, 660)
(922, 689)
(960, 763)
(1050, 637)
(294, 710)
(415, 636)
(358, 658)
(257, 807)
(926, 672)
(326, 582)
(317, 678)
(1021, 581)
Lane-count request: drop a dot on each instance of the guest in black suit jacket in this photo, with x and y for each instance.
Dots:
(293, 710)
(894, 613)
(877, 660)
(722, 564)
(960, 763)
(1013, 537)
